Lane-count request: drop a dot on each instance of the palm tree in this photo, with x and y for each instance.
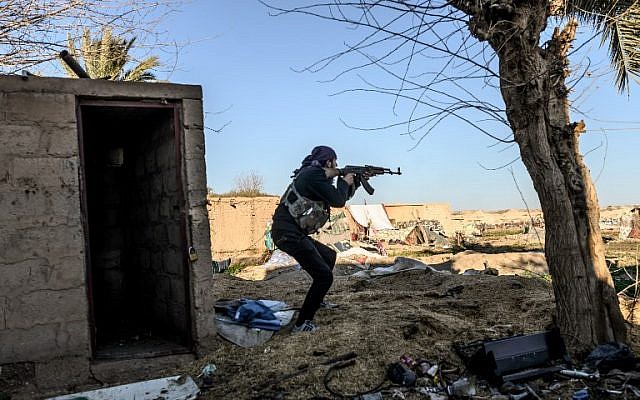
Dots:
(436, 47)
(107, 56)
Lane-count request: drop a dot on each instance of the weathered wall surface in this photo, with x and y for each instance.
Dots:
(238, 224)
(403, 213)
(43, 302)
(195, 179)
(43, 286)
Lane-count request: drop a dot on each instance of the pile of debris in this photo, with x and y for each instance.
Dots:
(523, 367)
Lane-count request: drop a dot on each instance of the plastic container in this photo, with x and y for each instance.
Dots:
(582, 394)
(462, 387)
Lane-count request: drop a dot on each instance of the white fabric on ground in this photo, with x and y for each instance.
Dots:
(402, 264)
(281, 259)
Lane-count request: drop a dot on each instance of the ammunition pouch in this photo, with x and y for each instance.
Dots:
(310, 215)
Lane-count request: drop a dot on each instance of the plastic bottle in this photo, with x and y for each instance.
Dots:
(462, 387)
(582, 394)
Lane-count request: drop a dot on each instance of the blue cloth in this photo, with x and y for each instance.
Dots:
(268, 241)
(248, 310)
(267, 325)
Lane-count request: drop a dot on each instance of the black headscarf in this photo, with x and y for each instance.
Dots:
(318, 157)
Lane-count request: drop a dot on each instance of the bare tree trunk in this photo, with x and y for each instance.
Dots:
(533, 87)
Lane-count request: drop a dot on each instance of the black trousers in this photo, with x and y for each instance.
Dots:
(317, 260)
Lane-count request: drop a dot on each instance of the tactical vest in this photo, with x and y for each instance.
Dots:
(310, 215)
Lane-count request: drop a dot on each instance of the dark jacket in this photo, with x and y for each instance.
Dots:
(312, 183)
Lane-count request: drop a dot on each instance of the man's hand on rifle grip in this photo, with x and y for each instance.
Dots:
(349, 178)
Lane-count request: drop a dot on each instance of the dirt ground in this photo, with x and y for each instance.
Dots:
(416, 313)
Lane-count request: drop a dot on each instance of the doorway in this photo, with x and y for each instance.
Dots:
(135, 228)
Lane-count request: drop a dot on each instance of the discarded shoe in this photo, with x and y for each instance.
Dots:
(328, 305)
(307, 326)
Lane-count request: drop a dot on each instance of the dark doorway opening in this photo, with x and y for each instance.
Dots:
(135, 218)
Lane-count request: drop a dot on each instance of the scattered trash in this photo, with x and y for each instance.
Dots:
(280, 259)
(580, 374)
(381, 250)
(220, 266)
(519, 396)
(342, 245)
(372, 396)
(180, 387)
(401, 264)
(608, 356)
(582, 394)
(425, 367)
(206, 376)
(432, 371)
(400, 374)
(397, 394)
(462, 387)
(427, 390)
(532, 392)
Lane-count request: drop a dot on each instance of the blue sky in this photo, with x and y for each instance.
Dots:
(243, 59)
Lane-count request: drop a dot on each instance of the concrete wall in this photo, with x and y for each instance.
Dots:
(43, 302)
(43, 286)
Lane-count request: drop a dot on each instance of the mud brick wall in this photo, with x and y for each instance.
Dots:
(238, 224)
(404, 213)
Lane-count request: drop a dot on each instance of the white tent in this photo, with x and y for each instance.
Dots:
(372, 216)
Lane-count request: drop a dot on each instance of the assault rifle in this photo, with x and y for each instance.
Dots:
(363, 173)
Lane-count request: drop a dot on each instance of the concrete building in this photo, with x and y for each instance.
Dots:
(104, 241)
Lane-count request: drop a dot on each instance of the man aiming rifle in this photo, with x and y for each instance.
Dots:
(304, 209)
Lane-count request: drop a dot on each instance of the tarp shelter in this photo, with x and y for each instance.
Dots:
(630, 224)
(370, 217)
(105, 256)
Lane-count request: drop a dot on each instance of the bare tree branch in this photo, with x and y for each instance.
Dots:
(33, 32)
(426, 48)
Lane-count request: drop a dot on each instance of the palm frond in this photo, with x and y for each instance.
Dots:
(141, 71)
(71, 48)
(91, 55)
(105, 52)
(619, 22)
(624, 46)
(106, 56)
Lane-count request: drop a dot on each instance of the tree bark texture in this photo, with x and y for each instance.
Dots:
(536, 99)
